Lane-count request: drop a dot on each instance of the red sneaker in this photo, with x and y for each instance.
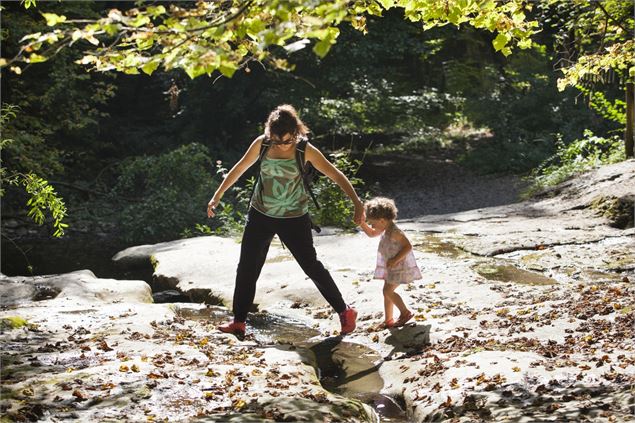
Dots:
(347, 319)
(234, 327)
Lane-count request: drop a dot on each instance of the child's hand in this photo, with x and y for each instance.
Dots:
(390, 263)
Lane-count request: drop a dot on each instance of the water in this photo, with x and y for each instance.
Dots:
(344, 368)
(510, 273)
(434, 244)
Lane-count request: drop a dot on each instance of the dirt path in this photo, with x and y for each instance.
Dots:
(434, 183)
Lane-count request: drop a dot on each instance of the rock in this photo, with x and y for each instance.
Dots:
(619, 211)
(82, 285)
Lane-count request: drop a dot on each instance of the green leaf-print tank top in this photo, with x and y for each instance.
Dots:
(280, 191)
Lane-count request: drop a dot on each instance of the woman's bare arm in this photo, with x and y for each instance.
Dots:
(249, 158)
(322, 164)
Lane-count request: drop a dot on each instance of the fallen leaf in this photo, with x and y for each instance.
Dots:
(104, 346)
(80, 395)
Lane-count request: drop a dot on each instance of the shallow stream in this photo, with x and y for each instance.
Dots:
(343, 368)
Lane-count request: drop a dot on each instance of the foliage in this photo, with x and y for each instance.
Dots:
(602, 36)
(163, 194)
(519, 104)
(232, 212)
(42, 195)
(594, 40)
(570, 159)
(614, 111)
(376, 107)
(336, 208)
(59, 102)
(418, 140)
(226, 36)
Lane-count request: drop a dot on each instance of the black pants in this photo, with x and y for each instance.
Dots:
(295, 233)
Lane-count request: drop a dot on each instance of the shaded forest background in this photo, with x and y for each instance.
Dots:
(137, 157)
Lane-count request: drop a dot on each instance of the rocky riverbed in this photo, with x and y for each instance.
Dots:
(526, 313)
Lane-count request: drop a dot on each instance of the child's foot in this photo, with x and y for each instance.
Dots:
(387, 324)
(234, 327)
(347, 319)
(403, 319)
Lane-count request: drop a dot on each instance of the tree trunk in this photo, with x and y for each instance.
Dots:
(630, 119)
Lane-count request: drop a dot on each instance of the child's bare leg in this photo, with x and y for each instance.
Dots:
(398, 301)
(388, 302)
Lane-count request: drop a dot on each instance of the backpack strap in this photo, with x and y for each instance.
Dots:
(300, 151)
(264, 147)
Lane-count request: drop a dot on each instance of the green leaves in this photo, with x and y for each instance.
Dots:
(327, 40)
(147, 37)
(150, 67)
(500, 41)
(43, 197)
(52, 19)
(617, 57)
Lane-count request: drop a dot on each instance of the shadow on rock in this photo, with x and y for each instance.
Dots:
(552, 401)
(408, 340)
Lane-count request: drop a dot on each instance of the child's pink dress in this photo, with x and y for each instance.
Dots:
(403, 273)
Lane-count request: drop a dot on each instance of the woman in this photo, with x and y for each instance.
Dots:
(280, 206)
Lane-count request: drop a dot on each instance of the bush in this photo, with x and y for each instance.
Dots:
(380, 107)
(336, 209)
(231, 214)
(164, 194)
(581, 155)
(506, 155)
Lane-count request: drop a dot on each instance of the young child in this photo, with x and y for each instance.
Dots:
(396, 263)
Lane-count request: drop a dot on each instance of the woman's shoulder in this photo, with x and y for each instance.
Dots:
(258, 142)
(311, 150)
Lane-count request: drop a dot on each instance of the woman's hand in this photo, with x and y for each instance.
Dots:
(391, 262)
(211, 206)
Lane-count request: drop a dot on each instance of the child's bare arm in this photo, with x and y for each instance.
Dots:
(368, 230)
(406, 247)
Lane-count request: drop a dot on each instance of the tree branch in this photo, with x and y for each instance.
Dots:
(618, 23)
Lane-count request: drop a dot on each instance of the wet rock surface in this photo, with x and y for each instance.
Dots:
(525, 313)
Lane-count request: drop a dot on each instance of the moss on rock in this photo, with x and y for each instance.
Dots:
(12, 322)
(619, 211)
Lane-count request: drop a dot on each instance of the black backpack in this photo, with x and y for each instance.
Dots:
(307, 170)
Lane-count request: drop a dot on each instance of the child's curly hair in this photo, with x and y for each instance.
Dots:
(380, 208)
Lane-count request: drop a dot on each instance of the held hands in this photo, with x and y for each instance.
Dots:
(359, 216)
(391, 262)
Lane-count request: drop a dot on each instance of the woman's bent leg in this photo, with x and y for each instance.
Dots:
(257, 237)
(295, 233)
